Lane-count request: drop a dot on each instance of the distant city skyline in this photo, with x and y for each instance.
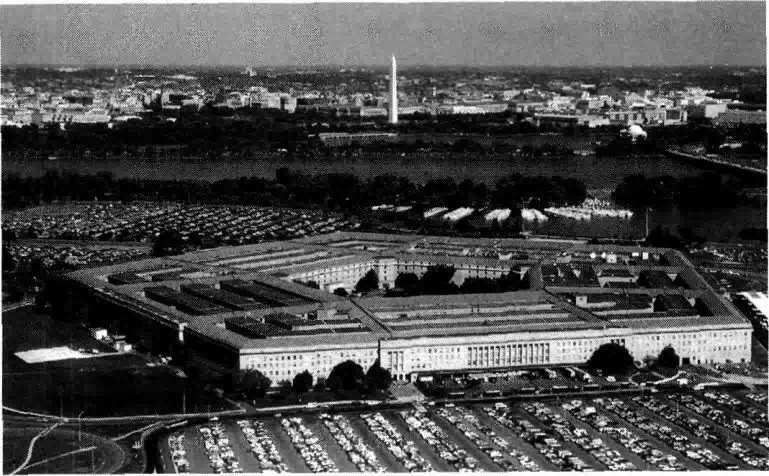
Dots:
(353, 35)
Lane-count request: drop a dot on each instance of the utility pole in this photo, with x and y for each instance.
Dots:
(79, 424)
(646, 212)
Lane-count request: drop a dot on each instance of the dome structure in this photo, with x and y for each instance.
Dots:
(636, 131)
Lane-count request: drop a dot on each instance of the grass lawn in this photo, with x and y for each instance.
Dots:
(113, 385)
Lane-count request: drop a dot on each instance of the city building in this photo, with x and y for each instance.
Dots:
(706, 110)
(740, 116)
(649, 115)
(259, 306)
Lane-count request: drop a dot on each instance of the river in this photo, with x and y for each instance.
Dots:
(602, 173)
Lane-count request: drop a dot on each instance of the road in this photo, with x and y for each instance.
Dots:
(18, 305)
(31, 449)
(723, 163)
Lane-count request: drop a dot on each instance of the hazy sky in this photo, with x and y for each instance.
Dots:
(354, 34)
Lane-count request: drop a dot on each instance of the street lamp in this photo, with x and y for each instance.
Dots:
(79, 435)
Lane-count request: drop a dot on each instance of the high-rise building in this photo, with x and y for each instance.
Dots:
(393, 94)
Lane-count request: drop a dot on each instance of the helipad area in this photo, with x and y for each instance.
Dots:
(50, 354)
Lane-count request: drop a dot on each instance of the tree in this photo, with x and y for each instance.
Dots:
(309, 284)
(168, 242)
(649, 361)
(347, 376)
(320, 384)
(285, 387)
(341, 292)
(408, 283)
(610, 359)
(668, 358)
(8, 262)
(369, 282)
(437, 280)
(252, 383)
(302, 382)
(378, 377)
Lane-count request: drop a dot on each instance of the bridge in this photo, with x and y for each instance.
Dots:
(702, 159)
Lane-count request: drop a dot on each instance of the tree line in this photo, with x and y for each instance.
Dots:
(709, 189)
(437, 280)
(346, 377)
(330, 191)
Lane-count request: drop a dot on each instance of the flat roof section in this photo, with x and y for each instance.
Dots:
(185, 303)
(263, 293)
(125, 278)
(233, 301)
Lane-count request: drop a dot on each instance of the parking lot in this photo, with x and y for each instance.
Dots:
(143, 221)
(656, 431)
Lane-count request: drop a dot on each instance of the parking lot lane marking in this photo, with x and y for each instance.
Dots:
(589, 459)
(505, 454)
(639, 462)
(329, 443)
(484, 461)
(247, 460)
(427, 451)
(196, 451)
(515, 440)
(731, 435)
(661, 445)
(383, 454)
(712, 447)
(732, 412)
(290, 455)
(743, 397)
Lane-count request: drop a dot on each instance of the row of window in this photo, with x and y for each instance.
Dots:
(503, 354)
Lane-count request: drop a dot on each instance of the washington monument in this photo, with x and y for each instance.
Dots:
(393, 94)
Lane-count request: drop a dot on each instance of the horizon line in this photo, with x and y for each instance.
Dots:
(376, 65)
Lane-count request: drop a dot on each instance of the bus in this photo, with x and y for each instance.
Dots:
(492, 393)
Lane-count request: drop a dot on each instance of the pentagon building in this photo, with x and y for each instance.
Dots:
(231, 308)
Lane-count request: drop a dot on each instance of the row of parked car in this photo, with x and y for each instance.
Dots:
(624, 436)
(742, 427)
(752, 414)
(178, 453)
(404, 450)
(231, 225)
(308, 445)
(569, 432)
(524, 460)
(69, 256)
(357, 451)
(262, 446)
(221, 457)
(484, 437)
(757, 397)
(543, 440)
(443, 445)
(666, 433)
